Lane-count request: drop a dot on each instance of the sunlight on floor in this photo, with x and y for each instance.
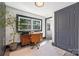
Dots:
(43, 43)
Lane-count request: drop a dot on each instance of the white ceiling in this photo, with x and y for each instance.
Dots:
(46, 11)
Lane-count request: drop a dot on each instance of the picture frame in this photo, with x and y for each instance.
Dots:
(26, 23)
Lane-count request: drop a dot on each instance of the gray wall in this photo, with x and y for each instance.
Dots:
(2, 28)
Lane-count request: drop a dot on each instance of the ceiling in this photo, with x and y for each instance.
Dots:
(46, 11)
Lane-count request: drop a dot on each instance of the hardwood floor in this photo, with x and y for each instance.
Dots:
(45, 49)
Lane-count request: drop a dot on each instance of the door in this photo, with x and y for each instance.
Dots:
(62, 25)
(64, 28)
(49, 29)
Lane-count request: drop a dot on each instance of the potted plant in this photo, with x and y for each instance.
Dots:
(11, 21)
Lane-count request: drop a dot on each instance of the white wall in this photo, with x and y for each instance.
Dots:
(53, 27)
(13, 12)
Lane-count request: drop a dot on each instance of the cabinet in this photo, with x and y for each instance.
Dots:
(31, 38)
(25, 39)
(66, 28)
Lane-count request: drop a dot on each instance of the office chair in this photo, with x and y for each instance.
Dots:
(35, 39)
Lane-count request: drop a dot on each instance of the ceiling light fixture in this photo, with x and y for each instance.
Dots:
(39, 4)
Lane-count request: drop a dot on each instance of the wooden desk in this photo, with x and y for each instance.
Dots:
(34, 38)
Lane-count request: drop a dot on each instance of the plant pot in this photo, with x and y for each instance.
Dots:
(13, 46)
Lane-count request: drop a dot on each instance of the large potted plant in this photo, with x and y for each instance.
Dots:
(11, 21)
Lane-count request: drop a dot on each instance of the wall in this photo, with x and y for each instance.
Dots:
(53, 27)
(13, 12)
(2, 28)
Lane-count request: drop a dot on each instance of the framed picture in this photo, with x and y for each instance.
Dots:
(25, 23)
(36, 25)
(48, 26)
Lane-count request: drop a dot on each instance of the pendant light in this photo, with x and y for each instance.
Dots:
(39, 4)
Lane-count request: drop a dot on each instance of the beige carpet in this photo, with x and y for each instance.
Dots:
(45, 49)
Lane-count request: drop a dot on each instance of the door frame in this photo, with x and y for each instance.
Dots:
(46, 22)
